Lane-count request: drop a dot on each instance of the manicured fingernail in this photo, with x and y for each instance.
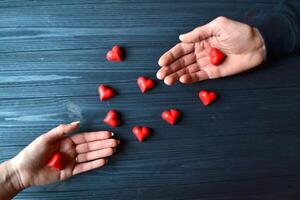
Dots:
(118, 141)
(75, 123)
(112, 134)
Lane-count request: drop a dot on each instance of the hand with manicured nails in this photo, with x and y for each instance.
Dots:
(81, 152)
(189, 61)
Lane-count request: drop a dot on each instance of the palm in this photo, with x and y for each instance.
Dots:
(82, 152)
(45, 174)
(190, 62)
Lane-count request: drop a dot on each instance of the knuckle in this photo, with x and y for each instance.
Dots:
(222, 20)
(61, 126)
(42, 138)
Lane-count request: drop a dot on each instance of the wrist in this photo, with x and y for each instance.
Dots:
(9, 181)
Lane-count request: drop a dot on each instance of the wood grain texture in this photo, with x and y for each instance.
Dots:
(245, 146)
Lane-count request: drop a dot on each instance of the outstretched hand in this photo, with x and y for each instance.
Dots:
(189, 61)
(82, 152)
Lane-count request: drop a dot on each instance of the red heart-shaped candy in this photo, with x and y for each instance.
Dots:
(57, 161)
(171, 116)
(115, 54)
(207, 97)
(106, 92)
(216, 56)
(145, 83)
(141, 132)
(112, 118)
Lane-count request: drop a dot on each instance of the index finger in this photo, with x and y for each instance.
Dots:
(175, 53)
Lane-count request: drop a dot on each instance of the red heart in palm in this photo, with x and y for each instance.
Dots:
(56, 161)
(216, 56)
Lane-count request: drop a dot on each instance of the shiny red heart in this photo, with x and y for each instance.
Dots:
(216, 56)
(171, 116)
(57, 161)
(207, 97)
(141, 132)
(115, 54)
(106, 92)
(145, 83)
(112, 118)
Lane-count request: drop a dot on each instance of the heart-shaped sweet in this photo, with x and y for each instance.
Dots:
(115, 54)
(106, 92)
(171, 116)
(112, 118)
(141, 132)
(145, 83)
(207, 97)
(56, 161)
(216, 56)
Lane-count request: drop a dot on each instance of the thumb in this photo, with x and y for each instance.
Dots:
(60, 131)
(198, 34)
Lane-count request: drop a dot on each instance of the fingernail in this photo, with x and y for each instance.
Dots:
(118, 141)
(158, 75)
(75, 123)
(114, 150)
(112, 134)
(106, 161)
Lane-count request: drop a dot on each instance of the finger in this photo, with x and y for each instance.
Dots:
(174, 77)
(93, 155)
(60, 131)
(176, 65)
(194, 77)
(83, 167)
(198, 34)
(174, 53)
(96, 145)
(91, 136)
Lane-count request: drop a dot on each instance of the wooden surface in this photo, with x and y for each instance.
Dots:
(245, 146)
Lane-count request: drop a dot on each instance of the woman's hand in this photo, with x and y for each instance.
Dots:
(189, 60)
(82, 152)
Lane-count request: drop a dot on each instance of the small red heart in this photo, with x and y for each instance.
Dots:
(112, 118)
(57, 161)
(171, 116)
(141, 132)
(145, 83)
(207, 97)
(216, 56)
(106, 92)
(115, 54)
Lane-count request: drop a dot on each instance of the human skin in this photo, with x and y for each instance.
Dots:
(189, 60)
(82, 152)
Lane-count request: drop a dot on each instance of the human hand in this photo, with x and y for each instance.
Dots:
(189, 60)
(82, 152)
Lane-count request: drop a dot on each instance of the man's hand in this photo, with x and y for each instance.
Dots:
(82, 152)
(189, 60)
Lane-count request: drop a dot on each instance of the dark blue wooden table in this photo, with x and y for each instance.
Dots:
(52, 59)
